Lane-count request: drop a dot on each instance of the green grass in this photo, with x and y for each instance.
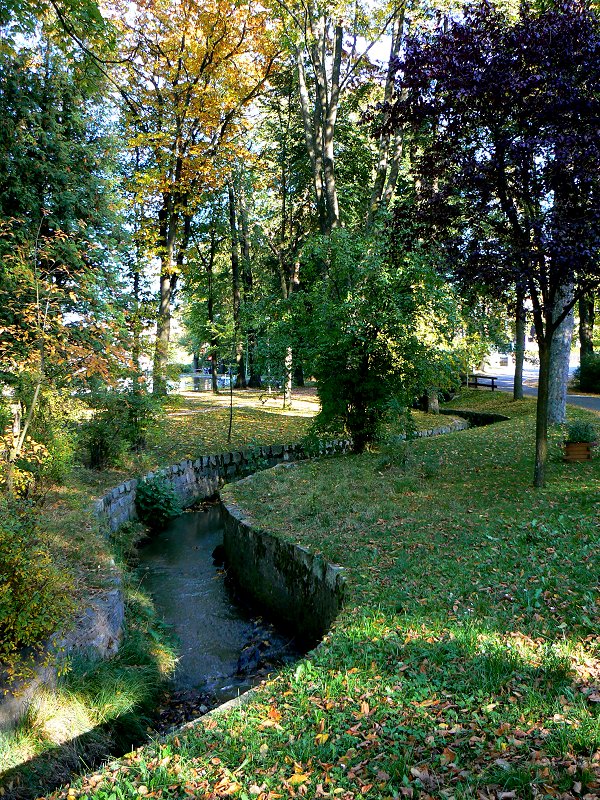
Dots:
(467, 660)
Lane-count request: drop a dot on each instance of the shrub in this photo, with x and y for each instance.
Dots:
(587, 374)
(156, 502)
(55, 427)
(141, 413)
(34, 599)
(581, 431)
(103, 439)
(121, 423)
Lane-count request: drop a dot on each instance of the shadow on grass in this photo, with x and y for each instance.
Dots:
(56, 766)
(514, 704)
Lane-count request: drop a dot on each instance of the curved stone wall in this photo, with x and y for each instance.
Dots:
(194, 481)
(99, 627)
(293, 584)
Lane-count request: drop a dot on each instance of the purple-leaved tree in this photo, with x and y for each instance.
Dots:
(504, 116)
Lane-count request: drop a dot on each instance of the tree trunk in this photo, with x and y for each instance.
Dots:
(253, 381)
(586, 326)
(287, 379)
(560, 352)
(196, 368)
(432, 402)
(236, 284)
(333, 211)
(168, 279)
(541, 420)
(390, 148)
(163, 334)
(210, 314)
(299, 374)
(312, 124)
(520, 334)
(136, 348)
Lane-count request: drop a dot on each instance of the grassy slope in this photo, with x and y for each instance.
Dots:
(466, 663)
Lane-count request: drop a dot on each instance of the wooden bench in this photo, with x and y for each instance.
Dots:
(483, 380)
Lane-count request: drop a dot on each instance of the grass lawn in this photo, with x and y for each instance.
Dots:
(466, 663)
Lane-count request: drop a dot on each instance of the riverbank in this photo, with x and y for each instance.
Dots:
(92, 709)
(467, 660)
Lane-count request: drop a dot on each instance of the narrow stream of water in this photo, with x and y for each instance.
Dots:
(224, 648)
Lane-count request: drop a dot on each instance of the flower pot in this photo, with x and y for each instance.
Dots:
(578, 451)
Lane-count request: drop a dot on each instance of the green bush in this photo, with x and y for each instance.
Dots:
(34, 597)
(121, 423)
(55, 427)
(587, 374)
(103, 439)
(156, 502)
(581, 431)
(141, 412)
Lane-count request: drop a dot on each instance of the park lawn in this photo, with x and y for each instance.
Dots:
(466, 662)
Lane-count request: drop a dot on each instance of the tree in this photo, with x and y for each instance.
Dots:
(587, 314)
(60, 296)
(188, 70)
(506, 116)
(366, 321)
(330, 62)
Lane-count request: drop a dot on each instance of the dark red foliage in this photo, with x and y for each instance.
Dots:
(506, 118)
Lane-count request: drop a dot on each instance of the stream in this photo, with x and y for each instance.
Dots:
(224, 648)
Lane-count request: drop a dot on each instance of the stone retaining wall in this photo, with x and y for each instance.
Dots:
(476, 418)
(439, 430)
(194, 481)
(288, 581)
(97, 630)
(294, 584)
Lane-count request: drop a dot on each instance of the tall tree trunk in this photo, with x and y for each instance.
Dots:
(210, 314)
(520, 335)
(287, 379)
(560, 352)
(332, 96)
(196, 369)
(168, 280)
(390, 147)
(136, 349)
(541, 420)
(299, 374)
(248, 281)
(586, 326)
(312, 124)
(236, 289)
(163, 334)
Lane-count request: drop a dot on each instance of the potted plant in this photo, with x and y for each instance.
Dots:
(581, 437)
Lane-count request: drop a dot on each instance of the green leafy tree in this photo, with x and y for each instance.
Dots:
(507, 111)
(59, 290)
(365, 318)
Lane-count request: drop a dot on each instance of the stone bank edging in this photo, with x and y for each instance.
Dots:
(200, 479)
(291, 582)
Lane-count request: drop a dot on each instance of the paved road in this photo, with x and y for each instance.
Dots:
(505, 383)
